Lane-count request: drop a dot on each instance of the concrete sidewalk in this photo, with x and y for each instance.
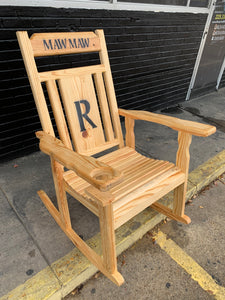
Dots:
(37, 260)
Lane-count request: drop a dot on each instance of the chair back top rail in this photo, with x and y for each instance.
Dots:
(58, 43)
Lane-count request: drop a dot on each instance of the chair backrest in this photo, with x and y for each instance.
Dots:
(86, 94)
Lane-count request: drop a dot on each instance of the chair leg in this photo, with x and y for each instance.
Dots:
(57, 171)
(182, 162)
(108, 241)
(179, 199)
(107, 237)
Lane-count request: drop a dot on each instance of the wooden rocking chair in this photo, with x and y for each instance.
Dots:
(119, 185)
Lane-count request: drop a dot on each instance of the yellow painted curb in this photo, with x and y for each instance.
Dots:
(208, 171)
(70, 271)
(43, 285)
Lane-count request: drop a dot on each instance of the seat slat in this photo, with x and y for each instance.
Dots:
(135, 163)
(132, 172)
(145, 188)
(121, 165)
(121, 159)
(140, 180)
(81, 185)
(145, 191)
(122, 154)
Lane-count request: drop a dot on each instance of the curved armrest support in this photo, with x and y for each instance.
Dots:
(90, 169)
(194, 128)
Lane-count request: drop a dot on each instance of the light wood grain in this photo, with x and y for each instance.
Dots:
(159, 188)
(92, 170)
(174, 123)
(79, 89)
(182, 162)
(70, 72)
(137, 171)
(170, 214)
(145, 181)
(103, 102)
(106, 221)
(27, 53)
(58, 43)
(130, 137)
(110, 91)
(102, 198)
(57, 173)
(89, 202)
(155, 178)
(100, 148)
(143, 175)
(58, 113)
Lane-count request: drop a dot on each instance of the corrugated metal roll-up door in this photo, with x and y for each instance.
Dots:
(152, 57)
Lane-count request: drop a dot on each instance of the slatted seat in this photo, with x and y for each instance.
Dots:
(142, 176)
(120, 184)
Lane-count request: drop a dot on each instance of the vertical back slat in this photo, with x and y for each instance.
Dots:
(27, 53)
(103, 103)
(78, 96)
(89, 94)
(58, 112)
(110, 88)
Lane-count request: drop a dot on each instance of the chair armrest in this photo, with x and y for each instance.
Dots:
(194, 128)
(90, 169)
